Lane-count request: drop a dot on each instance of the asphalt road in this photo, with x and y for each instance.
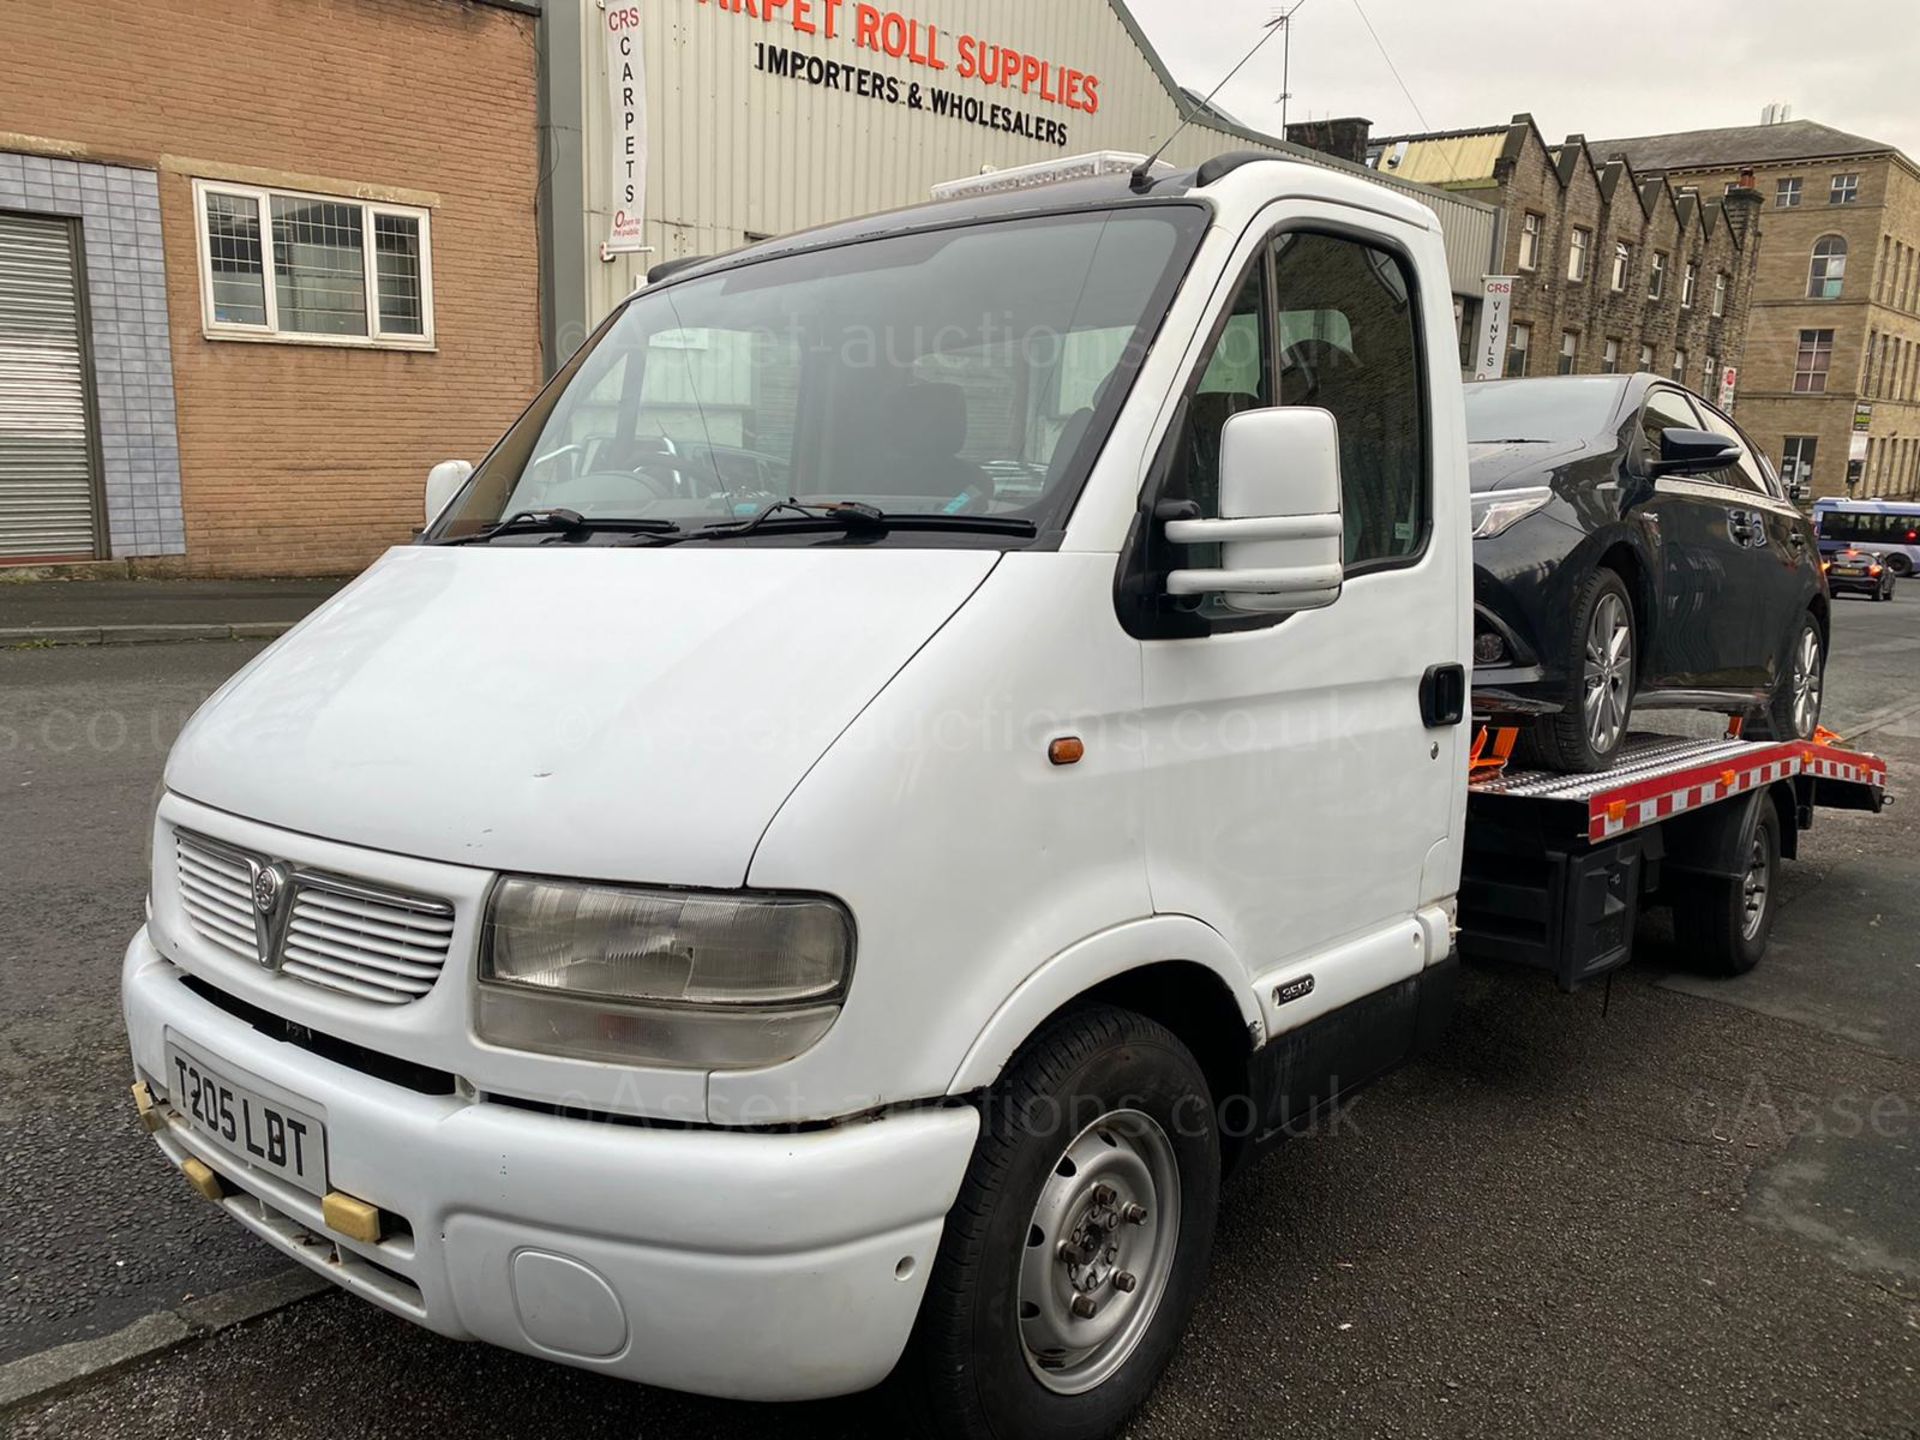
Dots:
(1690, 1209)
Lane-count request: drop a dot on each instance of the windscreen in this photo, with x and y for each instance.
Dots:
(965, 371)
(1559, 408)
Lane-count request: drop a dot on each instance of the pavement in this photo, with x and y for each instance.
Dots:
(93, 612)
(1669, 1206)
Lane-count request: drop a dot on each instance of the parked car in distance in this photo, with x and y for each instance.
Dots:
(1853, 571)
(1631, 551)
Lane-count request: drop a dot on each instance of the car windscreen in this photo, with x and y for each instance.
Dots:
(966, 371)
(1558, 408)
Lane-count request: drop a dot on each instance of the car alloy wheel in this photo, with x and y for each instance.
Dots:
(1608, 674)
(1807, 683)
(1100, 1250)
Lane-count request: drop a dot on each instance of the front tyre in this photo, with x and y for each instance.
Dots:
(1591, 727)
(1080, 1239)
(1794, 711)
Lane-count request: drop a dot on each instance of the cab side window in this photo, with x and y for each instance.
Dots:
(1349, 343)
(1238, 376)
(1748, 474)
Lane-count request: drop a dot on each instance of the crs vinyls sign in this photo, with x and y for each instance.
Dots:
(1496, 314)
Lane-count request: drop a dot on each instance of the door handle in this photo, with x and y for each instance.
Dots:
(1443, 696)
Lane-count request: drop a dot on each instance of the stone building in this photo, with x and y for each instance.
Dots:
(1617, 267)
(1831, 383)
(261, 265)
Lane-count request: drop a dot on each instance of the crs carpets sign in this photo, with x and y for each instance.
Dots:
(627, 84)
(966, 78)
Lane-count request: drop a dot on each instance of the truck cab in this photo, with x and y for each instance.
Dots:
(759, 927)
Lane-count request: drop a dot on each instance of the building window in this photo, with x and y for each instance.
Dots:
(1646, 358)
(1530, 240)
(1680, 366)
(1622, 264)
(1569, 349)
(1519, 339)
(1657, 276)
(1577, 246)
(1610, 357)
(1811, 363)
(1796, 462)
(1844, 191)
(1710, 379)
(1690, 285)
(1786, 193)
(1866, 371)
(1829, 269)
(280, 265)
(1719, 293)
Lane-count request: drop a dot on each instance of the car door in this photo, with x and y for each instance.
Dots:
(1698, 638)
(1778, 573)
(1297, 802)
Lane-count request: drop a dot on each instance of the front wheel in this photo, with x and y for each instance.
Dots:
(1899, 564)
(1076, 1250)
(1794, 711)
(1591, 727)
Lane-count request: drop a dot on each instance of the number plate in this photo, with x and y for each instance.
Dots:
(1848, 570)
(264, 1133)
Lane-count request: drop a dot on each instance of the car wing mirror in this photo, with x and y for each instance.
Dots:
(1693, 452)
(1281, 521)
(443, 483)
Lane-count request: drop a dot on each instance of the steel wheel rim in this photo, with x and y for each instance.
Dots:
(1607, 677)
(1806, 683)
(1110, 1208)
(1754, 889)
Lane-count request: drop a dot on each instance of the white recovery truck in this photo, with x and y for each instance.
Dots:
(929, 744)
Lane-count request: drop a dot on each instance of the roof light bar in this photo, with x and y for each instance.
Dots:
(1047, 172)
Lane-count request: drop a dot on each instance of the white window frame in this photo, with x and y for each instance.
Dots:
(1844, 188)
(1680, 366)
(1622, 267)
(1786, 192)
(1657, 276)
(1579, 254)
(271, 333)
(1690, 285)
(1532, 224)
(1610, 357)
(1719, 293)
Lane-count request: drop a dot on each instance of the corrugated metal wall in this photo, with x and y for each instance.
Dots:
(736, 152)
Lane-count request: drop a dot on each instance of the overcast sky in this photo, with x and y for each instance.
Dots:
(1603, 68)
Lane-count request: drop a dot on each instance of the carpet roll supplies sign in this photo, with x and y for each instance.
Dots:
(627, 85)
(960, 76)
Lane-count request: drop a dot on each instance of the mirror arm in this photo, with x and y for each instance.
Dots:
(1255, 527)
(1284, 580)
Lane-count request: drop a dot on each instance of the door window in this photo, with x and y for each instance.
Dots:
(1348, 343)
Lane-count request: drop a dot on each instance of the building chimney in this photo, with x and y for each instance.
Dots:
(1742, 205)
(1344, 139)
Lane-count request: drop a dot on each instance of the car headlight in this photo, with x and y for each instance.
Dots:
(1500, 510)
(704, 979)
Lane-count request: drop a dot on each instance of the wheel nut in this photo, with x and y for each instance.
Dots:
(1066, 1253)
(1084, 1308)
(1103, 1195)
(1135, 1214)
(1124, 1282)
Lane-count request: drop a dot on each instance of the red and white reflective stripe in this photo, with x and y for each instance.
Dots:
(1615, 812)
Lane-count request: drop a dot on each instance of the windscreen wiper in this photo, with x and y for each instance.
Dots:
(561, 521)
(790, 516)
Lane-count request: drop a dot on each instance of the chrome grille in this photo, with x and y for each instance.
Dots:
(340, 934)
(216, 888)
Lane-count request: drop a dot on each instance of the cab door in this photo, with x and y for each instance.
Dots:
(1297, 801)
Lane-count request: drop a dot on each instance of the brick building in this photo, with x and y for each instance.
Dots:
(1618, 268)
(261, 265)
(1831, 385)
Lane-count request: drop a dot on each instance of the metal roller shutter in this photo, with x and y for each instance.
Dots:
(46, 461)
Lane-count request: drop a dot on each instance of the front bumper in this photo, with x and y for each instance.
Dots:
(751, 1265)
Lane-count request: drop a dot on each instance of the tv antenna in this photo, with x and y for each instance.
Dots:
(1143, 172)
(1284, 19)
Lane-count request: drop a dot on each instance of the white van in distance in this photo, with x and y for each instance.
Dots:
(929, 743)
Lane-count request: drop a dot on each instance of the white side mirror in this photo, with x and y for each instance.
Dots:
(443, 483)
(1281, 522)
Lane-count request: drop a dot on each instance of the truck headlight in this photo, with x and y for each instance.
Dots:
(665, 977)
